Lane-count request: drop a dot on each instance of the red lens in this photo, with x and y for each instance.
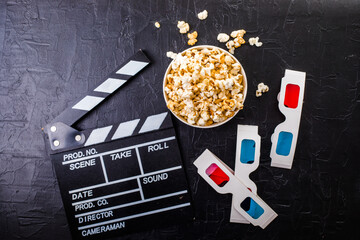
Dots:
(217, 175)
(292, 96)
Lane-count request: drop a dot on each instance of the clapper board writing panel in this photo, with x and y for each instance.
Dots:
(118, 178)
(123, 185)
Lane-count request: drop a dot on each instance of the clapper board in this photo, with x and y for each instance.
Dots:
(119, 178)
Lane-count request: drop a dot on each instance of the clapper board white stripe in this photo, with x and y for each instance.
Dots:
(87, 103)
(110, 85)
(132, 68)
(153, 122)
(98, 135)
(126, 129)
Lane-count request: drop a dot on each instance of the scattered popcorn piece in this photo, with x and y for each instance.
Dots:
(183, 26)
(237, 42)
(157, 24)
(192, 35)
(258, 93)
(192, 42)
(238, 33)
(262, 88)
(204, 86)
(192, 38)
(223, 37)
(171, 55)
(252, 41)
(203, 15)
(255, 41)
(238, 37)
(230, 46)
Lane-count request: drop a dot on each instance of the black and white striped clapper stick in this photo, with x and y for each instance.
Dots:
(111, 83)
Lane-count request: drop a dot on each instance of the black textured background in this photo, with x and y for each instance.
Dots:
(52, 52)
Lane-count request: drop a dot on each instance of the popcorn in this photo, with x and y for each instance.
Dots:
(236, 42)
(228, 60)
(238, 33)
(171, 54)
(205, 115)
(191, 118)
(206, 51)
(203, 15)
(192, 38)
(255, 41)
(183, 26)
(262, 88)
(228, 83)
(204, 86)
(201, 122)
(223, 37)
(192, 42)
(230, 45)
(157, 24)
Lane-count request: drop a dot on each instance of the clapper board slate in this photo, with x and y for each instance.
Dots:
(118, 178)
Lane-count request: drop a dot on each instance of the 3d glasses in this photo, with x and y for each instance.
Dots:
(285, 135)
(222, 179)
(246, 161)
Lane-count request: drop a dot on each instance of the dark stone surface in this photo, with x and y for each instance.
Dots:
(52, 52)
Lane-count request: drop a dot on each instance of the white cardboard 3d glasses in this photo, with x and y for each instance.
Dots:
(218, 175)
(246, 161)
(285, 135)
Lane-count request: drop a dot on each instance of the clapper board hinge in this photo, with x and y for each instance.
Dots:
(60, 132)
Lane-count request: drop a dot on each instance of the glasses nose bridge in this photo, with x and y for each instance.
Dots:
(291, 115)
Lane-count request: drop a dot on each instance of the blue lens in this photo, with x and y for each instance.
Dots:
(247, 154)
(252, 208)
(284, 143)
